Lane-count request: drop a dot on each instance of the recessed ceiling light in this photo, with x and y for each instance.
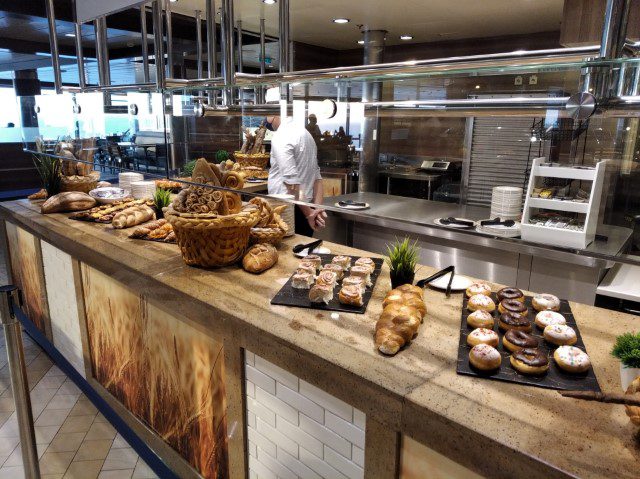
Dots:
(406, 37)
(360, 42)
(72, 35)
(477, 87)
(341, 20)
(269, 2)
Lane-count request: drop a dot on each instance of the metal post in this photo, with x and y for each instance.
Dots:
(102, 51)
(371, 91)
(212, 60)
(239, 29)
(145, 45)
(158, 43)
(227, 50)
(82, 82)
(284, 30)
(53, 44)
(614, 31)
(13, 336)
(199, 42)
(260, 89)
(167, 12)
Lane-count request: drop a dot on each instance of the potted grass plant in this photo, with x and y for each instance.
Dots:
(161, 199)
(50, 170)
(402, 257)
(627, 350)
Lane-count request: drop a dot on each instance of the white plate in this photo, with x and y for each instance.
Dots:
(437, 221)
(319, 250)
(352, 207)
(459, 282)
(109, 194)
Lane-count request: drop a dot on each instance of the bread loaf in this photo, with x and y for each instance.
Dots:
(68, 201)
(132, 216)
(634, 411)
(260, 258)
(398, 324)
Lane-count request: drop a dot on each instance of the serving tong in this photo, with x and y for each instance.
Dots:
(449, 269)
(454, 221)
(498, 222)
(347, 203)
(301, 247)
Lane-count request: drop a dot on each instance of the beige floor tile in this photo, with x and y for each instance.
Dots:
(101, 430)
(42, 395)
(69, 442)
(125, 458)
(45, 434)
(69, 387)
(40, 363)
(3, 459)
(93, 450)
(82, 408)
(10, 427)
(14, 472)
(55, 462)
(52, 476)
(6, 404)
(142, 471)
(116, 474)
(15, 459)
(52, 417)
(119, 442)
(8, 444)
(83, 470)
(55, 371)
(100, 418)
(63, 401)
(77, 424)
(51, 382)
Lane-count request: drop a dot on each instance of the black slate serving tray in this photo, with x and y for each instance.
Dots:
(288, 296)
(555, 378)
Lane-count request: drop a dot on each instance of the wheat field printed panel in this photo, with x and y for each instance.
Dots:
(28, 275)
(162, 370)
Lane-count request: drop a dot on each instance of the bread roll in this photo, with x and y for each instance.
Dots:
(132, 216)
(68, 201)
(260, 258)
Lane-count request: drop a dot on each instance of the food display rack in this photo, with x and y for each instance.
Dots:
(563, 236)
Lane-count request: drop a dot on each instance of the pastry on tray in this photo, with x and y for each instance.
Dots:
(321, 293)
(302, 280)
(351, 295)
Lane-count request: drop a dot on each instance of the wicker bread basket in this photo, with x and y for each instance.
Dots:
(209, 240)
(83, 184)
(258, 160)
(273, 232)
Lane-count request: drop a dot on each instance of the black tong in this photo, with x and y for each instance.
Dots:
(453, 221)
(313, 245)
(351, 203)
(449, 269)
(498, 222)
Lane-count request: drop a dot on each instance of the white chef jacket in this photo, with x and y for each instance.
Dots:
(294, 160)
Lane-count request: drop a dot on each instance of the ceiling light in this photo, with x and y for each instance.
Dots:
(269, 2)
(173, 1)
(341, 20)
(477, 87)
(360, 42)
(72, 35)
(406, 37)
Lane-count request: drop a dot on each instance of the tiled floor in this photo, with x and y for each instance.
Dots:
(74, 440)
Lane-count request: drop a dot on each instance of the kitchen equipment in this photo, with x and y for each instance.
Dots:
(434, 165)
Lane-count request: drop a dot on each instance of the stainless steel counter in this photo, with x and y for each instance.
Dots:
(416, 216)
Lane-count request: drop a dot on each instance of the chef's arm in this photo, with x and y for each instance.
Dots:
(294, 190)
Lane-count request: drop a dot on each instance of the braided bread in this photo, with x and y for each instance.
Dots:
(399, 321)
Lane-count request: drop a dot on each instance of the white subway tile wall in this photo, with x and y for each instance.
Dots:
(296, 430)
(63, 309)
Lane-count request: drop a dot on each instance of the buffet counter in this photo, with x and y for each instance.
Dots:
(395, 416)
(524, 264)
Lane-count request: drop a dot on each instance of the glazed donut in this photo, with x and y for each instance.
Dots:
(511, 293)
(483, 336)
(572, 359)
(480, 319)
(513, 306)
(478, 288)
(543, 302)
(530, 361)
(485, 357)
(481, 302)
(546, 318)
(508, 321)
(560, 334)
(515, 340)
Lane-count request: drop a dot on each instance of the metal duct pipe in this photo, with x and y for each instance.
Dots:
(228, 69)
(102, 51)
(145, 45)
(199, 42)
(169, 34)
(371, 92)
(82, 82)
(158, 43)
(53, 44)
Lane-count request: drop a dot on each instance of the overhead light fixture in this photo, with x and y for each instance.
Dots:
(173, 1)
(72, 35)
(360, 42)
(477, 87)
(406, 37)
(341, 20)
(269, 2)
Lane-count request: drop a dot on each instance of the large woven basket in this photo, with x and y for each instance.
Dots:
(258, 160)
(267, 235)
(211, 241)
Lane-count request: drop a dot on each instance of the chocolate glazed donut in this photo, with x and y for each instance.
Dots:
(510, 293)
(531, 357)
(521, 339)
(509, 321)
(513, 306)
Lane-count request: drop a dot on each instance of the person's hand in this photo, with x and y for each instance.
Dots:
(316, 219)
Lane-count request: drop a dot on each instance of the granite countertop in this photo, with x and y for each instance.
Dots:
(498, 429)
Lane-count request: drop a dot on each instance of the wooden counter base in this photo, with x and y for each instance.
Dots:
(494, 429)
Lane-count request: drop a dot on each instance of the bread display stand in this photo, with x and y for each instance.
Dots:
(562, 236)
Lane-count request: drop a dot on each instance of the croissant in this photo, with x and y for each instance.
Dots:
(132, 216)
(398, 324)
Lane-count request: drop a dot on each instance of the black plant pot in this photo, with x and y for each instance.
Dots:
(159, 213)
(400, 279)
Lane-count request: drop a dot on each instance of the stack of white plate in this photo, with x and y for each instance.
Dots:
(506, 202)
(143, 189)
(288, 214)
(125, 179)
